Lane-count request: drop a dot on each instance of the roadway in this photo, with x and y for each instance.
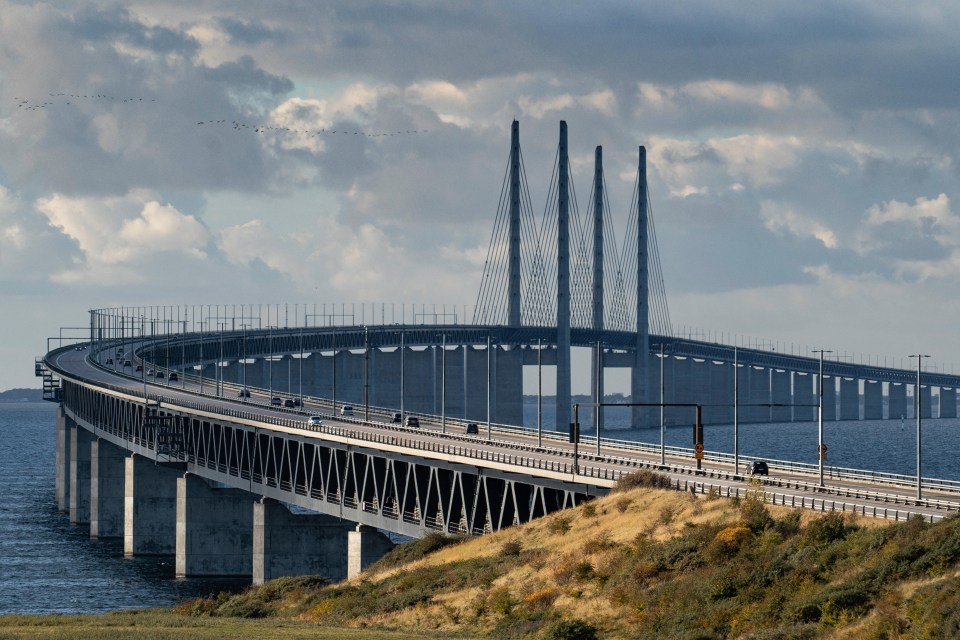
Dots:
(784, 485)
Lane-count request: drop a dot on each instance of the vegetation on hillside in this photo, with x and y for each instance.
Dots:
(647, 563)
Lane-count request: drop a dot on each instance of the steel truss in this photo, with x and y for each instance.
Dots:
(393, 490)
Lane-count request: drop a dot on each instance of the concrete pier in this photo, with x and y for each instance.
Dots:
(80, 440)
(149, 507)
(214, 529)
(896, 401)
(365, 545)
(758, 385)
(804, 397)
(948, 403)
(62, 460)
(780, 396)
(849, 399)
(287, 544)
(925, 401)
(107, 476)
(872, 400)
(829, 398)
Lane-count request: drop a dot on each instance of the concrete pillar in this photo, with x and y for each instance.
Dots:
(476, 383)
(780, 395)
(925, 401)
(107, 474)
(896, 401)
(418, 380)
(508, 386)
(214, 529)
(759, 399)
(149, 507)
(872, 400)
(804, 397)
(849, 399)
(721, 393)
(385, 372)
(62, 460)
(679, 391)
(948, 403)
(365, 546)
(287, 544)
(829, 398)
(80, 440)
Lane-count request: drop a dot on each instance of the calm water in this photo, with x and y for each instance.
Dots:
(47, 565)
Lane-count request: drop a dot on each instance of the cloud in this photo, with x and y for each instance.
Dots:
(895, 224)
(780, 219)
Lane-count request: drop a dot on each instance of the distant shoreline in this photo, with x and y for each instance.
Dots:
(21, 395)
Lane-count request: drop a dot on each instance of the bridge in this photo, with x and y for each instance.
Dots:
(190, 430)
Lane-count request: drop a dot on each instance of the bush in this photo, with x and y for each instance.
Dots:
(410, 551)
(571, 630)
(825, 530)
(589, 510)
(511, 548)
(560, 524)
(500, 601)
(643, 478)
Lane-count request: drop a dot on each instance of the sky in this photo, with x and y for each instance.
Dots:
(804, 158)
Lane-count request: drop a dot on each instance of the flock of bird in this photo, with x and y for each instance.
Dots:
(261, 128)
(75, 99)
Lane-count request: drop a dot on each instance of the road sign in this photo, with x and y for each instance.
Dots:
(699, 455)
(699, 448)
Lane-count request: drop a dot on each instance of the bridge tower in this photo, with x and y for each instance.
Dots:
(563, 284)
(638, 379)
(513, 278)
(596, 379)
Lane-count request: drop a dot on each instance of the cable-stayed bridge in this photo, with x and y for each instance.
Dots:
(186, 429)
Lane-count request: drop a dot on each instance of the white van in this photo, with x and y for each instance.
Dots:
(346, 410)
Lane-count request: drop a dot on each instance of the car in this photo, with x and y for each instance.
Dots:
(346, 410)
(127, 363)
(314, 421)
(297, 402)
(109, 360)
(173, 376)
(159, 374)
(472, 429)
(289, 403)
(243, 393)
(149, 372)
(139, 367)
(759, 468)
(398, 418)
(413, 421)
(275, 401)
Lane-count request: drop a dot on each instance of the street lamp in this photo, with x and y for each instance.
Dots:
(919, 357)
(821, 447)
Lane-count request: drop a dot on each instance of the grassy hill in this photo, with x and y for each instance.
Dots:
(639, 563)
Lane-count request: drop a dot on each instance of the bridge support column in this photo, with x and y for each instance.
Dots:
(758, 384)
(896, 401)
(721, 394)
(80, 440)
(829, 398)
(149, 507)
(62, 462)
(780, 395)
(287, 544)
(925, 401)
(948, 403)
(804, 397)
(365, 545)
(508, 386)
(872, 400)
(107, 473)
(849, 399)
(214, 529)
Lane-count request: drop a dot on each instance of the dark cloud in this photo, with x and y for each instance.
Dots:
(107, 26)
(244, 32)
(244, 74)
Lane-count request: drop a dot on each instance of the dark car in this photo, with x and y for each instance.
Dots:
(472, 428)
(289, 403)
(413, 421)
(109, 360)
(173, 376)
(126, 363)
(398, 418)
(139, 367)
(275, 401)
(243, 393)
(297, 402)
(159, 374)
(759, 468)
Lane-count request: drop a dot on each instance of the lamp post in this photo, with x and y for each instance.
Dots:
(821, 452)
(919, 357)
(366, 373)
(443, 384)
(736, 412)
(663, 453)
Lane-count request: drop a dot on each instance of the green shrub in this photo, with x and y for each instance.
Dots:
(500, 601)
(589, 510)
(560, 525)
(643, 478)
(571, 630)
(511, 549)
(824, 530)
(414, 550)
(788, 525)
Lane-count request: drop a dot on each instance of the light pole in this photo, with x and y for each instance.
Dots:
(821, 447)
(919, 357)
(663, 453)
(443, 384)
(736, 412)
(366, 373)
